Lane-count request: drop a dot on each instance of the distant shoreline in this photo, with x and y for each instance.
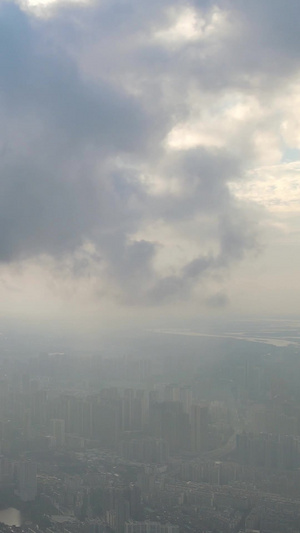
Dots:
(283, 343)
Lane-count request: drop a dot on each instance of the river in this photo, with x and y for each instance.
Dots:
(10, 517)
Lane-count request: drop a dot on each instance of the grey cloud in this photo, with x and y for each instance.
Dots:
(42, 211)
(129, 262)
(70, 165)
(262, 44)
(274, 24)
(235, 239)
(266, 44)
(198, 266)
(204, 174)
(39, 79)
(166, 290)
(217, 300)
(51, 194)
(236, 236)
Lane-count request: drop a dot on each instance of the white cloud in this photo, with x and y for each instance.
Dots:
(191, 25)
(46, 9)
(276, 187)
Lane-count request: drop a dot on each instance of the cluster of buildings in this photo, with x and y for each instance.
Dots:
(165, 419)
(151, 445)
(273, 451)
(20, 476)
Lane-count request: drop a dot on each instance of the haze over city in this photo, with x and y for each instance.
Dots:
(149, 266)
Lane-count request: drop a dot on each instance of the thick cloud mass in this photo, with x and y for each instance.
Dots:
(124, 126)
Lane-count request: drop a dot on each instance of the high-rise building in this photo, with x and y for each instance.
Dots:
(58, 431)
(199, 427)
(169, 422)
(27, 486)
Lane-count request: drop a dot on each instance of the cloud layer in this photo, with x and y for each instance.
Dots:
(133, 134)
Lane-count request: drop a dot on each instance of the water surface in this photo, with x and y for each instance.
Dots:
(10, 517)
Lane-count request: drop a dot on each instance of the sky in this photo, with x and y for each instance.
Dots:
(150, 159)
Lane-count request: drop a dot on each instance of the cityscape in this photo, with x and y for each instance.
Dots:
(149, 266)
(206, 439)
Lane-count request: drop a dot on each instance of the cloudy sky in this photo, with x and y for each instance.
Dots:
(150, 159)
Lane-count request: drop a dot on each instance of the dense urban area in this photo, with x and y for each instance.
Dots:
(205, 439)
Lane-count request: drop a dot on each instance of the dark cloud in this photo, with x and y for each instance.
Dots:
(265, 45)
(235, 239)
(86, 108)
(203, 174)
(218, 300)
(273, 24)
(36, 79)
(51, 193)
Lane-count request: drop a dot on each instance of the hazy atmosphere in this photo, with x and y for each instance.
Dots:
(149, 266)
(149, 160)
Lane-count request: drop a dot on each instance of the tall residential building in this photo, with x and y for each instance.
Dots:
(27, 486)
(199, 427)
(58, 431)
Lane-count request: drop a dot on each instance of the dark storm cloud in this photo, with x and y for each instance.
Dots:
(36, 79)
(85, 110)
(50, 195)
